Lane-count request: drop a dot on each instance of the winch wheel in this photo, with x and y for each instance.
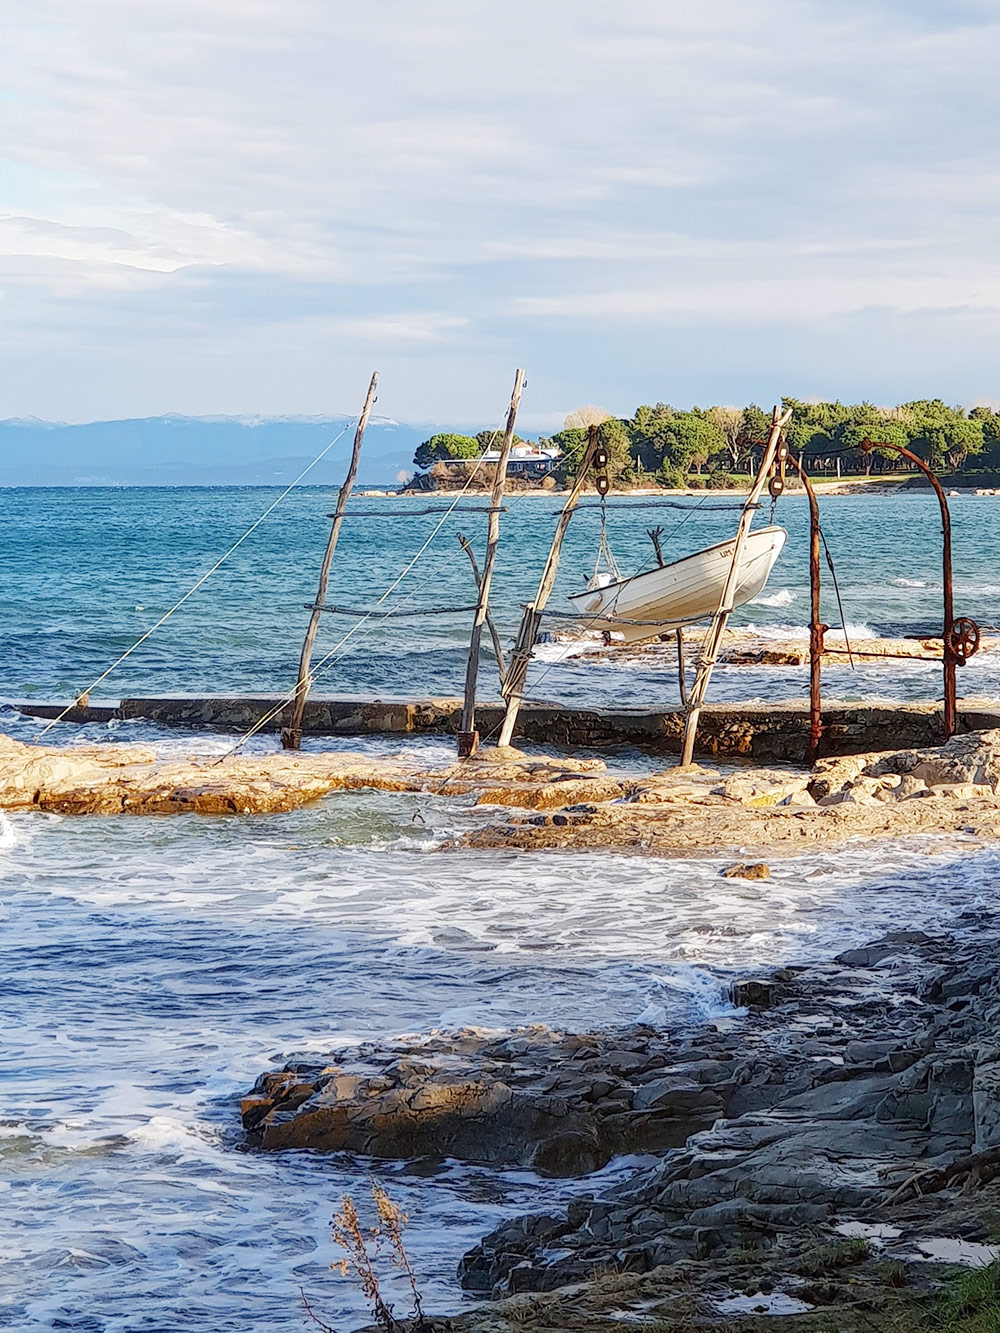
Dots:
(964, 639)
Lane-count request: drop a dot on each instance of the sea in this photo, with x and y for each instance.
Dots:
(152, 968)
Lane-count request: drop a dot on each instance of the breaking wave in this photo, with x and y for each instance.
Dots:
(784, 597)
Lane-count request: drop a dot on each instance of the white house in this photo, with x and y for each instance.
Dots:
(527, 460)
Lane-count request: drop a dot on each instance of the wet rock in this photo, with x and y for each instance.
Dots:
(560, 1104)
(755, 993)
(893, 945)
(814, 1126)
(747, 870)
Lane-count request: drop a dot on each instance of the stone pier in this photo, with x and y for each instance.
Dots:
(763, 732)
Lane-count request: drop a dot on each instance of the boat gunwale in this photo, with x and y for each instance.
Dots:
(705, 550)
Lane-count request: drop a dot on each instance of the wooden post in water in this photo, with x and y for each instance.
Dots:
(291, 734)
(513, 687)
(713, 638)
(468, 738)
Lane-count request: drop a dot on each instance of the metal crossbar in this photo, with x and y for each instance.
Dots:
(388, 615)
(667, 504)
(417, 513)
(596, 616)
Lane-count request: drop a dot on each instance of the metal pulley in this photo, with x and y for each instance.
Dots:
(601, 459)
(776, 486)
(963, 639)
(603, 484)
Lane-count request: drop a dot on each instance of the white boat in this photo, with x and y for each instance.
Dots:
(682, 592)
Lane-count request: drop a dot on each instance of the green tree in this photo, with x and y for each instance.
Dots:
(730, 422)
(612, 433)
(943, 435)
(492, 439)
(690, 440)
(445, 446)
(572, 442)
(990, 422)
(876, 433)
(647, 436)
(615, 436)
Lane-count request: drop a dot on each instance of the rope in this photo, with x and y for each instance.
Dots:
(836, 589)
(195, 586)
(604, 551)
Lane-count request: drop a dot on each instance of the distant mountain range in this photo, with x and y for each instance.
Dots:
(202, 451)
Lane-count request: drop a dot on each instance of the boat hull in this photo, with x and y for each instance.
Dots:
(682, 592)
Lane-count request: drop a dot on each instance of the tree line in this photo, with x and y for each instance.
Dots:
(664, 445)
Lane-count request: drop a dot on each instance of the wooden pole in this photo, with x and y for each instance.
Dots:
(466, 546)
(291, 734)
(468, 739)
(713, 638)
(681, 678)
(513, 687)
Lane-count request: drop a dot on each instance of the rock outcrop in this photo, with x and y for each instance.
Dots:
(562, 1104)
(884, 794)
(857, 1099)
(130, 779)
(863, 1075)
(577, 803)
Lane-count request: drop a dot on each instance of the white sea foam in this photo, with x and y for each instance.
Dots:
(164, 1134)
(784, 630)
(189, 956)
(784, 597)
(8, 838)
(907, 583)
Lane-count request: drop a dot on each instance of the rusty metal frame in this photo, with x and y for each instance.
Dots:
(951, 658)
(817, 629)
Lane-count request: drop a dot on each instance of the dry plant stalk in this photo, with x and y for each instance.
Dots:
(349, 1234)
(362, 1247)
(392, 1220)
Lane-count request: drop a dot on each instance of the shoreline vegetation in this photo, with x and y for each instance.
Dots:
(662, 448)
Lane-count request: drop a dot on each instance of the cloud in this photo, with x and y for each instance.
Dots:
(191, 192)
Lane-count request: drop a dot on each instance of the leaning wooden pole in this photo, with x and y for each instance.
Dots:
(713, 638)
(531, 619)
(466, 546)
(468, 738)
(291, 733)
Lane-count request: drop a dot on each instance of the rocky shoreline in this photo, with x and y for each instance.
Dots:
(555, 803)
(823, 1154)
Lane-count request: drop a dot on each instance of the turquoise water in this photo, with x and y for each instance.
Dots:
(86, 571)
(152, 968)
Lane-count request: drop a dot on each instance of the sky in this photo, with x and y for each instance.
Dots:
(246, 206)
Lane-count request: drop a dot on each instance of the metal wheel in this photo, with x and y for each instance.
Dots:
(964, 639)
